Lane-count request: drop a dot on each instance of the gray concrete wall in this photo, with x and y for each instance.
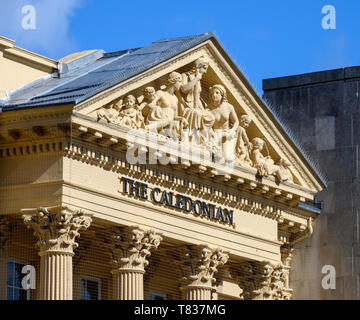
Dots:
(323, 110)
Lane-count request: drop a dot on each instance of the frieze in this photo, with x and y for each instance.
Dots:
(178, 201)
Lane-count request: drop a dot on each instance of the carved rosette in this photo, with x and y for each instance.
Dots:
(264, 281)
(57, 227)
(130, 247)
(199, 265)
(4, 231)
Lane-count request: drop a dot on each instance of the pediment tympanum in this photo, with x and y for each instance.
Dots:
(194, 110)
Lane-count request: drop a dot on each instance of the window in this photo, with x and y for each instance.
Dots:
(90, 288)
(15, 290)
(157, 296)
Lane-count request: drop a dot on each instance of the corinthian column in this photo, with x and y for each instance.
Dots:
(198, 266)
(56, 228)
(130, 247)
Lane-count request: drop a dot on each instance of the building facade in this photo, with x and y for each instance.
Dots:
(322, 108)
(148, 173)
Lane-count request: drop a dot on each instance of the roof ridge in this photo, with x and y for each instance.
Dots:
(184, 37)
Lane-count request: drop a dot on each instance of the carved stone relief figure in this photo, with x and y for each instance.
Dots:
(226, 121)
(200, 120)
(109, 114)
(243, 145)
(148, 103)
(162, 112)
(191, 85)
(285, 172)
(265, 165)
(130, 115)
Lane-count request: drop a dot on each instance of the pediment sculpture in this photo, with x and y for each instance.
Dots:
(179, 111)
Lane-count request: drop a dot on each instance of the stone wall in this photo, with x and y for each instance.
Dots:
(323, 110)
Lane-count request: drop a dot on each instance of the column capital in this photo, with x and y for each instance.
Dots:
(199, 264)
(56, 227)
(130, 248)
(264, 281)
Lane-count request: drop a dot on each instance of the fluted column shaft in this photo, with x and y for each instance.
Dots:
(56, 228)
(128, 284)
(55, 276)
(197, 293)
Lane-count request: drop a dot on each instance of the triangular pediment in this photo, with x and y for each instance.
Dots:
(261, 150)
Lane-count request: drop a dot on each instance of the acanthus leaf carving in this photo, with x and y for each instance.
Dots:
(57, 227)
(130, 247)
(263, 281)
(199, 264)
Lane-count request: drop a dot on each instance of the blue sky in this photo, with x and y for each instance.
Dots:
(265, 38)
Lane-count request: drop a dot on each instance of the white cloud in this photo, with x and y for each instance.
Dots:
(51, 36)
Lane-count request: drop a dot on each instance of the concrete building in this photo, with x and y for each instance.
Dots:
(148, 173)
(322, 109)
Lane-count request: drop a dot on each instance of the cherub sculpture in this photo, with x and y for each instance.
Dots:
(130, 115)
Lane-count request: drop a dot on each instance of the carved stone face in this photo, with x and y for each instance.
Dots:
(149, 93)
(149, 96)
(175, 80)
(285, 163)
(203, 68)
(177, 84)
(216, 95)
(130, 102)
(258, 143)
(245, 122)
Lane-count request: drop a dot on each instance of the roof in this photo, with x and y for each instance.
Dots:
(97, 71)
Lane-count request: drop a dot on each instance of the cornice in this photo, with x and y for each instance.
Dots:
(114, 136)
(37, 59)
(247, 196)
